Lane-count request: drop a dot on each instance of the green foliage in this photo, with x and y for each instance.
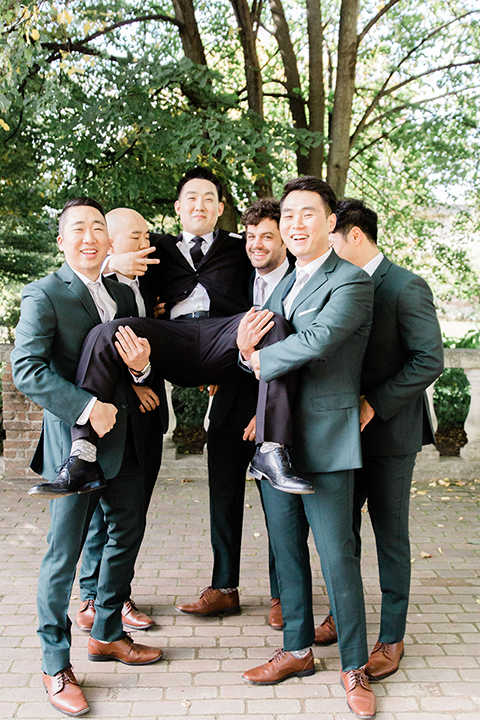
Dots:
(190, 406)
(451, 398)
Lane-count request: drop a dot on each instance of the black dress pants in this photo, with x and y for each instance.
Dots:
(188, 352)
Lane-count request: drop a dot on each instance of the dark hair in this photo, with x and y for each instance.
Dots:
(313, 184)
(202, 173)
(78, 202)
(354, 213)
(261, 210)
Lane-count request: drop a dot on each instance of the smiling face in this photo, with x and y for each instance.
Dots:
(265, 247)
(84, 240)
(305, 224)
(199, 207)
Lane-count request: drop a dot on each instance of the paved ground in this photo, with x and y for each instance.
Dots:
(200, 676)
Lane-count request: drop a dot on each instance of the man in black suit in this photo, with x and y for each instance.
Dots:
(231, 434)
(128, 232)
(404, 356)
(202, 277)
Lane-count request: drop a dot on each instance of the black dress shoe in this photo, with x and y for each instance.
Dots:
(276, 467)
(75, 476)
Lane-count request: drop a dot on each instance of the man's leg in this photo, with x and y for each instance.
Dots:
(70, 518)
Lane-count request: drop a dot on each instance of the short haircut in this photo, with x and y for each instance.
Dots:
(354, 213)
(202, 173)
(313, 184)
(261, 210)
(77, 202)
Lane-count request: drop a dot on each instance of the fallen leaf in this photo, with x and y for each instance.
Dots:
(188, 480)
(460, 518)
(440, 525)
(316, 661)
(424, 554)
(445, 482)
(413, 560)
(257, 534)
(247, 505)
(440, 551)
(186, 703)
(474, 542)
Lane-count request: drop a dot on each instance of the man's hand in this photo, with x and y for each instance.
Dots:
(149, 400)
(366, 413)
(253, 326)
(132, 263)
(249, 432)
(159, 309)
(255, 361)
(103, 417)
(134, 351)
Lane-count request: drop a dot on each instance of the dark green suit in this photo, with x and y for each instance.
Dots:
(153, 424)
(57, 314)
(331, 317)
(404, 356)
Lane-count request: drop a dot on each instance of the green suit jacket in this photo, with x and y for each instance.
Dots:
(331, 317)
(57, 313)
(404, 356)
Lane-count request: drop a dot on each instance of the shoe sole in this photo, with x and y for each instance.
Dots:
(302, 673)
(109, 658)
(65, 712)
(226, 611)
(138, 627)
(89, 487)
(84, 629)
(276, 627)
(259, 475)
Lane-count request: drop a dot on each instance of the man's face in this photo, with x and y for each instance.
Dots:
(265, 247)
(305, 224)
(198, 206)
(84, 240)
(128, 231)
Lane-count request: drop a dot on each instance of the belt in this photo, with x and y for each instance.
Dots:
(194, 315)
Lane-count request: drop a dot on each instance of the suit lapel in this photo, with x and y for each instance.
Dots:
(113, 289)
(379, 274)
(78, 288)
(170, 244)
(219, 238)
(316, 281)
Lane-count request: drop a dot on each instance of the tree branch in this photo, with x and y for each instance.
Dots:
(376, 18)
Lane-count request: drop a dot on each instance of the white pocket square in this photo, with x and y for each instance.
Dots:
(304, 312)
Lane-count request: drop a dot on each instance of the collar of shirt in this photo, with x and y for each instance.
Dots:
(109, 306)
(373, 264)
(85, 279)
(187, 237)
(274, 276)
(134, 285)
(313, 266)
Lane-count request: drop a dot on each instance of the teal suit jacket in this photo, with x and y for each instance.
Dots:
(57, 313)
(331, 317)
(404, 356)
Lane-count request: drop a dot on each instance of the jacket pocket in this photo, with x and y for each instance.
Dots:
(339, 401)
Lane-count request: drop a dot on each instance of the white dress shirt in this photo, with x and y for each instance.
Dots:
(135, 286)
(271, 281)
(198, 298)
(303, 276)
(373, 264)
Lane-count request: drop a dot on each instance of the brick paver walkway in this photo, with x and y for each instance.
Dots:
(200, 676)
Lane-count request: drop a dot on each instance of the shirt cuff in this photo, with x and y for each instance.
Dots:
(139, 379)
(246, 363)
(84, 417)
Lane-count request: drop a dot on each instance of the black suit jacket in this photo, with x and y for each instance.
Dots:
(223, 272)
(404, 356)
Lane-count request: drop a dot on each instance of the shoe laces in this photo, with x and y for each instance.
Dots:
(278, 655)
(328, 621)
(383, 648)
(206, 591)
(73, 455)
(65, 676)
(359, 678)
(87, 604)
(130, 605)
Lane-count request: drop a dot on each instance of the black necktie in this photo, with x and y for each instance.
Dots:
(196, 251)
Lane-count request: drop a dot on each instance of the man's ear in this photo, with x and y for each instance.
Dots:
(111, 248)
(177, 206)
(356, 235)
(332, 221)
(60, 243)
(221, 208)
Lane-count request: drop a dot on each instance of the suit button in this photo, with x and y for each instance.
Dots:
(197, 275)
(123, 406)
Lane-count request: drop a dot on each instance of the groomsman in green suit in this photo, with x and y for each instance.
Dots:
(404, 356)
(128, 233)
(329, 304)
(57, 313)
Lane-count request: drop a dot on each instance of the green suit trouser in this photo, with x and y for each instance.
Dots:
(123, 507)
(328, 512)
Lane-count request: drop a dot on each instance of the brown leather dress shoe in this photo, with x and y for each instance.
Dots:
(124, 650)
(64, 693)
(134, 618)
(280, 667)
(384, 660)
(86, 615)
(275, 618)
(213, 602)
(326, 633)
(360, 697)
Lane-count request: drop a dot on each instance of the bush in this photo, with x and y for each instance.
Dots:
(451, 398)
(190, 406)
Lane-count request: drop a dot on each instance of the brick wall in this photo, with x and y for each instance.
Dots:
(22, 420)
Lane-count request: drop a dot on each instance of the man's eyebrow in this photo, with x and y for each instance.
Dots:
(305, 207)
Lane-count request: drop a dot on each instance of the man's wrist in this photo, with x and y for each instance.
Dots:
(138, 373)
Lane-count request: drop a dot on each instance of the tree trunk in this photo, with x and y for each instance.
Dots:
(253, 74)
(316, 93)
(292, 76)
(189, 34)
(339, 154)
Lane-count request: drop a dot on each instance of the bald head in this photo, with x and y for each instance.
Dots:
(128, 231)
